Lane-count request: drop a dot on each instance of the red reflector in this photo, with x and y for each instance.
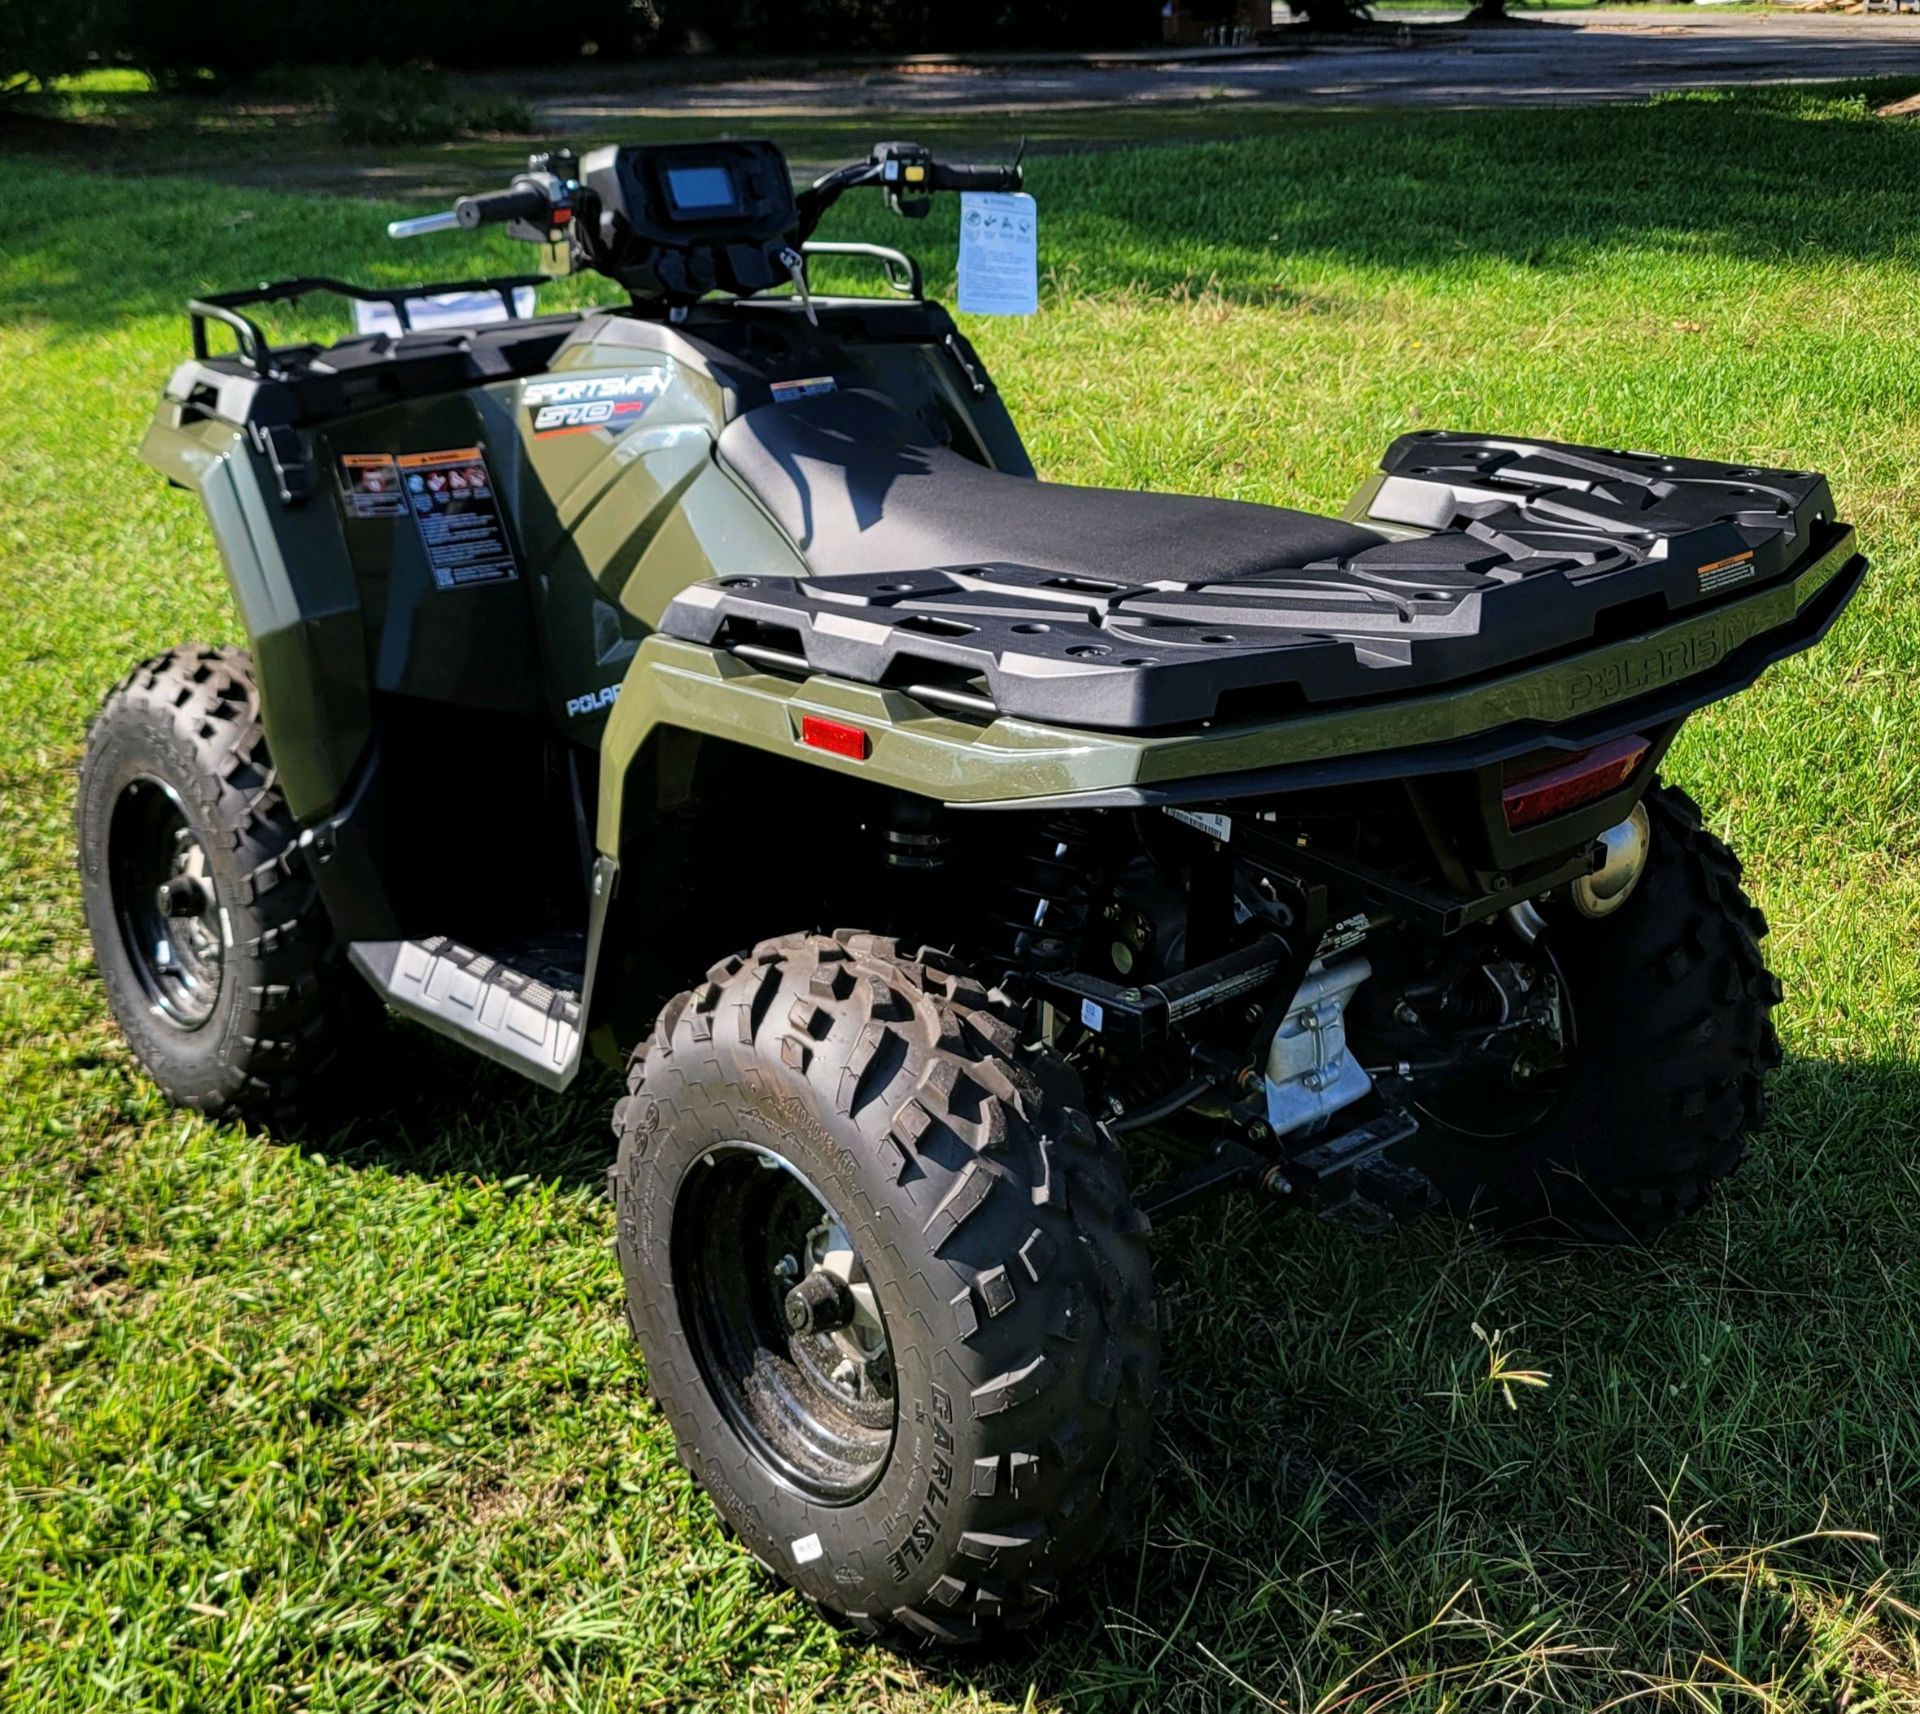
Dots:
(1567, 785)
(832, 736)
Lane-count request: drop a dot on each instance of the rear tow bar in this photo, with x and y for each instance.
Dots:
(1346, 1177)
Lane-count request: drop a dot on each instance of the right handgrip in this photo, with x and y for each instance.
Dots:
(944, 177)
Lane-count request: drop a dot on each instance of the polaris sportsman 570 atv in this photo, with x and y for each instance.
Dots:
(1320, 856)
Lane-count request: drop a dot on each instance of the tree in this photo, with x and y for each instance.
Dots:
(44, 39)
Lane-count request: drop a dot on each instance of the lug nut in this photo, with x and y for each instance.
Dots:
(819, 1304)
(183, 896)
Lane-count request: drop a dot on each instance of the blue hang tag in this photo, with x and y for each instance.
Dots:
(999, 253)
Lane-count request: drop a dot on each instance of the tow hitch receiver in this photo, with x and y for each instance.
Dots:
(1346, 1178)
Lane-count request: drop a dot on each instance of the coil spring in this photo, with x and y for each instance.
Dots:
(1036, 915)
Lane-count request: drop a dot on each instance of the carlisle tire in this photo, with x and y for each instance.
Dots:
(217, 956)
(1671, 1001)
(891, 1294)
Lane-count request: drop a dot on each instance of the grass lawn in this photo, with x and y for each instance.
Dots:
(349, 1421)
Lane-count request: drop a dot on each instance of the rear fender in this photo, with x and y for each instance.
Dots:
(1646, 683)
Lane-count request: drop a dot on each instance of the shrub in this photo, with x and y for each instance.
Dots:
(378, 104)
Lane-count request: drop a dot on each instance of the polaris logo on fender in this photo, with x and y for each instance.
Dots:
(592, 702)
(611, 402)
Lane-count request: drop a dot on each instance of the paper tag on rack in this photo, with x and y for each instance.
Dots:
(999, 253)
(443, 309)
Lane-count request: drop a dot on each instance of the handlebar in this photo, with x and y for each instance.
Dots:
(541, 201)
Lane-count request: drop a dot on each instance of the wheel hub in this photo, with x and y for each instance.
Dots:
(165, 903)
(784, 1322)
(863, 1365)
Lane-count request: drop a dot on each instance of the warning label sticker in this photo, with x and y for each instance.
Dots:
(370, 486)
(452, 499)
(1723, 573)
(808, 387)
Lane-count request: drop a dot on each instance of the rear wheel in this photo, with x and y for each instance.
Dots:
(218, 959)
(1672, 1039)
(892, 1296)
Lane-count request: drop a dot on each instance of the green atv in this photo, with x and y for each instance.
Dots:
(1319, 857)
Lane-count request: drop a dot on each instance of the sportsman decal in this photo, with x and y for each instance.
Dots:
(610, 402)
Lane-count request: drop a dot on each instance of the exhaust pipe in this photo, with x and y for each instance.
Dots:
(1623, 861)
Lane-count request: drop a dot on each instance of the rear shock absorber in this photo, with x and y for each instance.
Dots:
(916, 846)
(1036, 916)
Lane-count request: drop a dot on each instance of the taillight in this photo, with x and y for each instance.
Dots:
(1567, 785)
(835, 737)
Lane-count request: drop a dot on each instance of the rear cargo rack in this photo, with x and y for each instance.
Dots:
(257, 354)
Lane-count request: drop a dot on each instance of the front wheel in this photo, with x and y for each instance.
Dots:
(892, 1296)
(219, 961)
(1671, 1004)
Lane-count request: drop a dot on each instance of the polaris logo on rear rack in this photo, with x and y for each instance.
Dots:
(611, 402)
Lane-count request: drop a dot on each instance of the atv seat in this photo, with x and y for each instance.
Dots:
(858, 486)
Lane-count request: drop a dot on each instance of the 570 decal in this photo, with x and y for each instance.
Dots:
(611, 402)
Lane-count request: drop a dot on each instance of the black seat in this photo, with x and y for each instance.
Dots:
(858, 486)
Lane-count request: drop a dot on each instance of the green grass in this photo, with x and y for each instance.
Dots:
(348, 1421)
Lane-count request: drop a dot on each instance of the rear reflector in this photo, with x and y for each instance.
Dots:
(1567, 785)
(835, 738)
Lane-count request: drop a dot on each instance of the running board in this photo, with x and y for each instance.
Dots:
(482, 1002)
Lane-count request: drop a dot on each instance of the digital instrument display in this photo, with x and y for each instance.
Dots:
(701, 190)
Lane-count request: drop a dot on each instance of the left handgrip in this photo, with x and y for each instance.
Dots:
(523, 202)
(446, 221)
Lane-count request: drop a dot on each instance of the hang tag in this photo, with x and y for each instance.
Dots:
(999, 253)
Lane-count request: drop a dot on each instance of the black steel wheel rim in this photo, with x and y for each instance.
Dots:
(164, 903)
(816, 1409)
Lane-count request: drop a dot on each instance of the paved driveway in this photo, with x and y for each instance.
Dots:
(1545, 61)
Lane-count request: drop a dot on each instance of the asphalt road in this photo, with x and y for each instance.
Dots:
(1543, 62)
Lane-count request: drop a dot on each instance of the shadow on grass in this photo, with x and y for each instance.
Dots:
(430, 1109)
(1760, 174)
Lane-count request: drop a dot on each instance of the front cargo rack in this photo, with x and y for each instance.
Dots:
(257, 353)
